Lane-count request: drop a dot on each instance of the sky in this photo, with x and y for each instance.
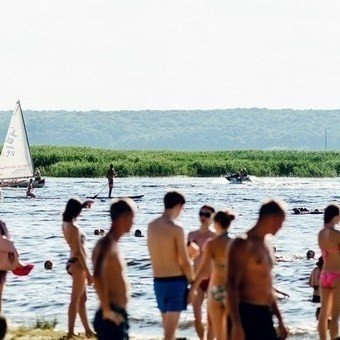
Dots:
(174, 54)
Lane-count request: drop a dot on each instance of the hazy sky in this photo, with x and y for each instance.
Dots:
(174, 54)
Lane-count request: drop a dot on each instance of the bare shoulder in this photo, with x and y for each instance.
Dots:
(240, 245)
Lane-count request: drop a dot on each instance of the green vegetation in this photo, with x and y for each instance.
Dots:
(89, 162)
(41, 323)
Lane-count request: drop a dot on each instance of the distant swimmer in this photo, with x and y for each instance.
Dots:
(138, 233)
(29, 189)
(171, 266)
(110, 175)
(251, 299)
(111, 321)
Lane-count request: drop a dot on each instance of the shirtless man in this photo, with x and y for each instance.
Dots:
(111, 320)
(29, 189)
(110, 175)
(249, 286)
(200, 237)
(170, 263)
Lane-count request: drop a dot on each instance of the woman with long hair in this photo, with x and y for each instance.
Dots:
(329, 243)
(76, 265)
(215, 257)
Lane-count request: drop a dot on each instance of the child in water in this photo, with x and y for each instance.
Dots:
(314, 280)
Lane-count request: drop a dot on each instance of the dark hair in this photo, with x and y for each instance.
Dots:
(72, 210)
(117, 209)
(208, 207)
(330, 212)
(271, 207)
(224, 218)
(3, 327)
(120, 208)
(172, 198)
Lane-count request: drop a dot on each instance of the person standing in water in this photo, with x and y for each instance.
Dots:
(251, 299)
(215, 253)
(170, 263)
(200, 237)
(76, 265)
(110, 175)
(29, 189)
(329, 243)
(111, 320)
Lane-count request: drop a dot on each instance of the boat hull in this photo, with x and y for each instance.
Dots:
(23, 184)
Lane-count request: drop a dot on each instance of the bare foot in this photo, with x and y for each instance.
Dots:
(70, 335)
(89, 334)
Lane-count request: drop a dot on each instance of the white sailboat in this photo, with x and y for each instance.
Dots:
(16, 165)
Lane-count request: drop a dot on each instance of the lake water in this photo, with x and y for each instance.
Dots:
(35, 225)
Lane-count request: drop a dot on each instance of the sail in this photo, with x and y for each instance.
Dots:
(15, 158)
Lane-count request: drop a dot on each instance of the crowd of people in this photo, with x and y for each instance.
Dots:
(235, 275)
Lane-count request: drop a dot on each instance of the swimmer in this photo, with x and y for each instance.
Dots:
(310, 255)
(138, 233)
(314, 279)
(48, 265)
(29, 189)
(215, 254)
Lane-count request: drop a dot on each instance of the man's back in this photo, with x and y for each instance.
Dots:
(164, 237)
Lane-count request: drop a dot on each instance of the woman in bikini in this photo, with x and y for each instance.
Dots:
(329, 243)
(76, 265)
(214, 255)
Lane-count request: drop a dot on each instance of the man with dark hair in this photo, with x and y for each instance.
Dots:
(111, 320)
(250, 291)
(170, 263)
(200, 237)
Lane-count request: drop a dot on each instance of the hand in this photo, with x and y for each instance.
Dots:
(113, 316)
(283, 331)
(237, 333)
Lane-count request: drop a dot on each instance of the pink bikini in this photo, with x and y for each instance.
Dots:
(327, 277)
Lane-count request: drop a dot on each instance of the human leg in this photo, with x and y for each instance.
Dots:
(78, 287)
(1, 290)
(326, 307)
(217, 314)
(170, 322)
(83, 315)
(197, 309)
(335, 312)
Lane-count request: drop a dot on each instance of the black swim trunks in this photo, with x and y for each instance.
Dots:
(257, 322)
(108, 330)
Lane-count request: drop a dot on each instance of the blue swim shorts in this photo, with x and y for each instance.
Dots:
(171, 293)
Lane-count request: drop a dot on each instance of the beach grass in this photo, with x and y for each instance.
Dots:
(58, 161)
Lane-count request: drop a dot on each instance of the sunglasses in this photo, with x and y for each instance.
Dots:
(205, 214)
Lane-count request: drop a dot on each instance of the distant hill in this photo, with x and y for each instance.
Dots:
(184, 130)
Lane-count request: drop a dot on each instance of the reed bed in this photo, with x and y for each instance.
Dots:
(59, 161)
